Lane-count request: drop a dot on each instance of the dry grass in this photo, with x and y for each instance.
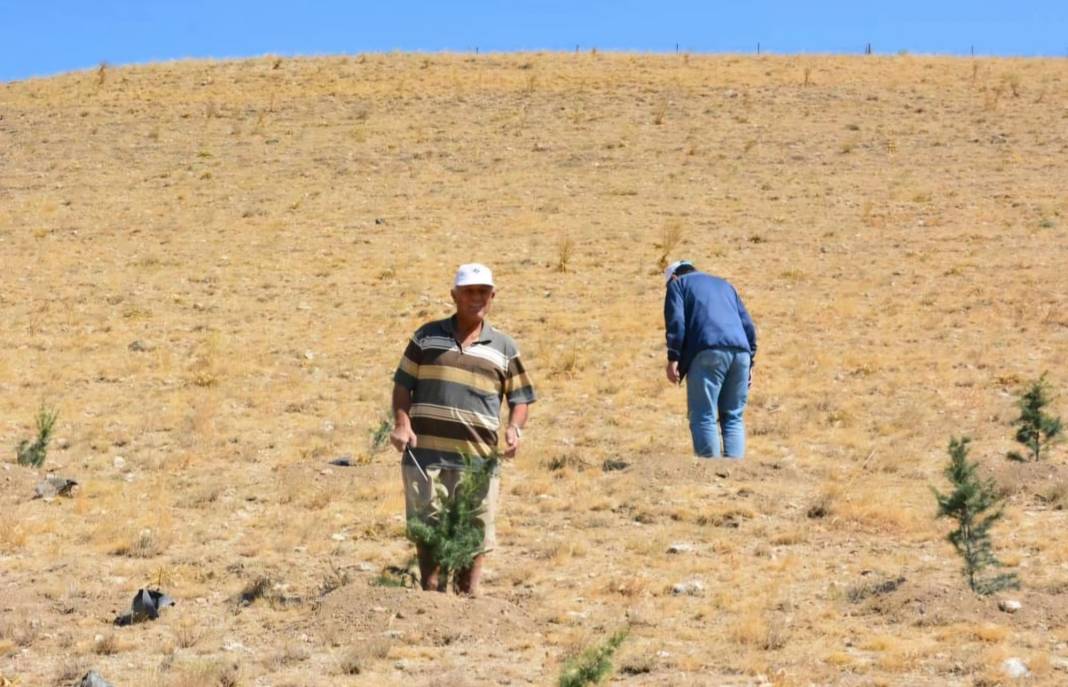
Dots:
(269, 232)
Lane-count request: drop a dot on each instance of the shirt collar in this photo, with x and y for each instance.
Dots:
(487, 335)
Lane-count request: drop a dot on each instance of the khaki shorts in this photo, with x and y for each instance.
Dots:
(419, 497)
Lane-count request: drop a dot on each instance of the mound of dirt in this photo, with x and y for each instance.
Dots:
(923, 604)
(1042, 482)
(363, 611)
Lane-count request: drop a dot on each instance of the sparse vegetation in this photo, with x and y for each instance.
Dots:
(659, 112)
(106, 645)
(398, 575)
(1013, 82)
(564, 250)
(1036, 429)
(351, 663)
(380, 435)
(975, 505)
(593, 665)
(256, 589)
(670, 238)
(34, 454)
(334, 578)
(187, 634)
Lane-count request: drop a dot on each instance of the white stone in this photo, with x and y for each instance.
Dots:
(1009, 605)
(119, 462)
(680, 547)
(688, 588)
(339, 536)
(1015, 668)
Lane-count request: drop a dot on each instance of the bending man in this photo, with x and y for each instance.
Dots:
(711, 343)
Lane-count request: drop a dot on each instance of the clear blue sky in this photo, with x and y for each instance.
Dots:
(42, 37)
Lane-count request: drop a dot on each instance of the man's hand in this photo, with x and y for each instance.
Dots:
(511, 441)
(672, 371)
(401, 437)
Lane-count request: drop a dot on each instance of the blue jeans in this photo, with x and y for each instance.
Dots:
(717, 388)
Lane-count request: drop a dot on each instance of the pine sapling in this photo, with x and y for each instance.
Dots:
(976, 506)
(593, 665)
(1035, 428)
(34, 454)
(380, 434)
(455, 534)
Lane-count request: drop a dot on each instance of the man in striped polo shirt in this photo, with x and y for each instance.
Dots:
(447, 396)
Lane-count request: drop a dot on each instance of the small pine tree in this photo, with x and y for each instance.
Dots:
(455, 535)
(380, 434)
(593, 665)
(34, 454)
(1035, 428)
(975, 505)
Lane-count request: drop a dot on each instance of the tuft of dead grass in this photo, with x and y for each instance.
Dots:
(757, 630)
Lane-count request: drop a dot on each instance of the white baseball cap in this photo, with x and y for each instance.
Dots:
(473, 274)
(674, 266)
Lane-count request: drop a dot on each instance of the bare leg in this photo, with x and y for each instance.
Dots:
(429, 572)
(467, 580)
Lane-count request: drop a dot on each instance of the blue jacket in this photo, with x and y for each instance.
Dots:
(702, 312)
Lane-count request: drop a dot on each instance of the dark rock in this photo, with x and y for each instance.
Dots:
(146, 605)
(51, 487)
(93, 679)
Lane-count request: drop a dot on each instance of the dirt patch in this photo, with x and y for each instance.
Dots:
(18, 483)
(364, 612)
(1042, 482)
(922, 604)
(687, 468)
(926, 605)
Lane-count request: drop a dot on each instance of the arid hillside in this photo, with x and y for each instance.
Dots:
(210, 270)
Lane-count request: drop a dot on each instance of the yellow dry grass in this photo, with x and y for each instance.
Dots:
(210, 270)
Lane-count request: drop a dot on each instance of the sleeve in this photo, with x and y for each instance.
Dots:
(407, 374)
(674, 320)
(748, 327)
(517, 387)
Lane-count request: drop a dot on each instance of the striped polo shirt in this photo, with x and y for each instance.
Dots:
(457, 392)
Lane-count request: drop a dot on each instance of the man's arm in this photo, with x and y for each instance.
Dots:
(748, 327)
(674, 328)
(517, 418)
(402, 434)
